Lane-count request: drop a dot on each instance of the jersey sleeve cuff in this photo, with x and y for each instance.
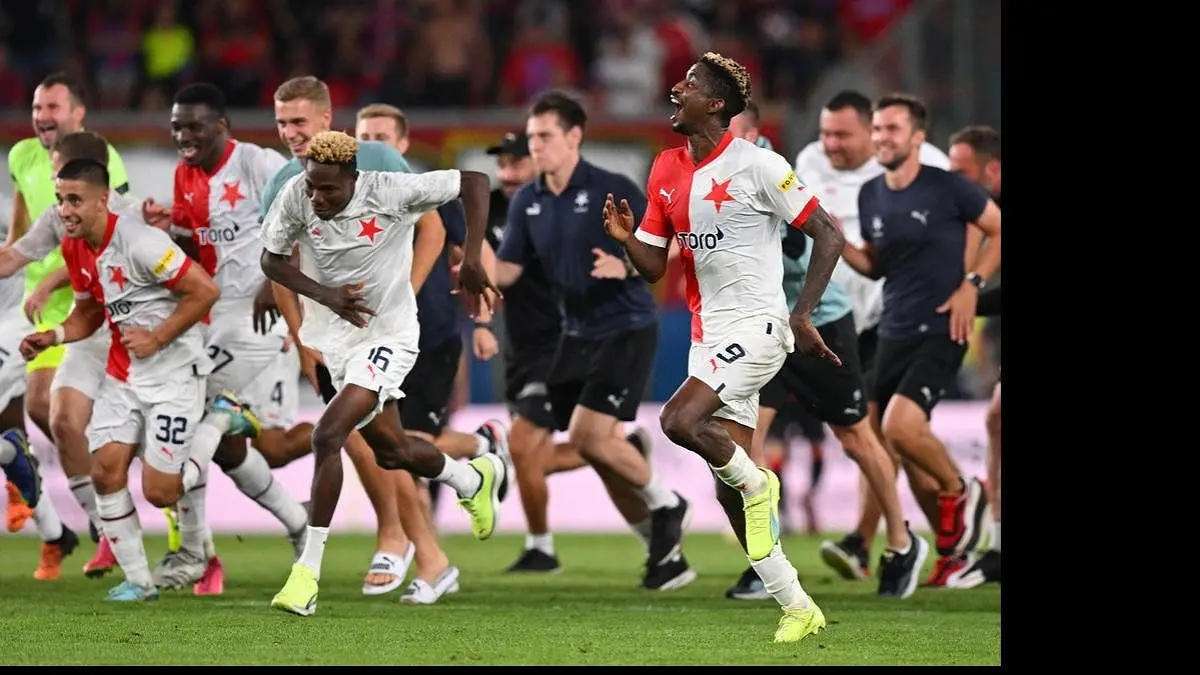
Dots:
(80, 295)
(651, 239)
(170, 283)
(802, 217)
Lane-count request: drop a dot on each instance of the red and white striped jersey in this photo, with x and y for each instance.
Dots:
(725, 214)
(222, 210)
(132, 274)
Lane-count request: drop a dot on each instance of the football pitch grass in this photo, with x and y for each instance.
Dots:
(590, 613)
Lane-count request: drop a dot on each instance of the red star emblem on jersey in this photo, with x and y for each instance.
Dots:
(117, 276)
(369, 229)
(233, 193)
(719, 193)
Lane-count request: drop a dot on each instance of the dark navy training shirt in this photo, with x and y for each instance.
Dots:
(561, 231)
(919, 234)
(532, 319)
(439, 312)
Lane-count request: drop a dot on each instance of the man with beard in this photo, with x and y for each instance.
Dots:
(58, 110)
(915, 234)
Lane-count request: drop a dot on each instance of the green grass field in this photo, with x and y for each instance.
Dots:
(591, 613)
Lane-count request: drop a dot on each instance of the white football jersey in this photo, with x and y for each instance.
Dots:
(838, 191)
(369, 241)
(48, 232)
(132, 274)
(221, 209)
(725, 214)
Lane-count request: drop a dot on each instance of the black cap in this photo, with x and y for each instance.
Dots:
(511, 144)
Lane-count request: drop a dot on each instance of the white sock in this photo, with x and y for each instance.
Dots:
(85, 494)
(314, 549)
(206, 440)
(481, 445)
(461, 476)
(996, 536)
(741, 473)
(255, 481)
(642, 530)
(8, 452)
(540, 542)
(657, 495)
(45, 516)
(124, 533)
(780, 579)
(193, 529)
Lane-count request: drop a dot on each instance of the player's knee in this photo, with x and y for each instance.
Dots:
(679, 425)
(161, 490)
(67, 427)
(37, 404)
(903, 423)
(108, 475)
(327, 439)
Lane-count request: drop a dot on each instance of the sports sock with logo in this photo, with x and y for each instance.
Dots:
(124, 532)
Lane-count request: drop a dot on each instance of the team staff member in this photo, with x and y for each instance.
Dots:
(610, 329)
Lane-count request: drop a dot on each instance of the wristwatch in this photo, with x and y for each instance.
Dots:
(977, 281)
(483, 324)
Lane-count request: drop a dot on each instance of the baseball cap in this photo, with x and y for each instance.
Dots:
(516, 144)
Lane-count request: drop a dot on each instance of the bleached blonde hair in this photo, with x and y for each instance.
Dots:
(332, 147)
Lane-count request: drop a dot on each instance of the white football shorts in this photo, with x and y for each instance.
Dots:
(737, 366)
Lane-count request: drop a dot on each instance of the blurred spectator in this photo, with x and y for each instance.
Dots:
(681, 35)
(450, 63)
(168, 48)
(113, 38)
(863, 21)
(626, 74)
(12, 86)
(34, 32)
(796, 47)
(235, 56)
(540, 57)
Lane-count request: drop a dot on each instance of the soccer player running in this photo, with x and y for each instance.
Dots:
(975, 154)
(403, 530)
(610, 327)
(836, 166)
(152, 401)
(82, 369)
(218, 185)
(835, 395)
(52, 398)
(428, 387)
(915, 221)
(358, 228)
(722, 199)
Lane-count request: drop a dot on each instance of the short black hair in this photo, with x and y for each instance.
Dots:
(916, 108)
(849, 98)
(202, 93)
(984, 140)
(569, 110)
(86, 170)
(729, 81)
(82, 145)
(74, 86)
